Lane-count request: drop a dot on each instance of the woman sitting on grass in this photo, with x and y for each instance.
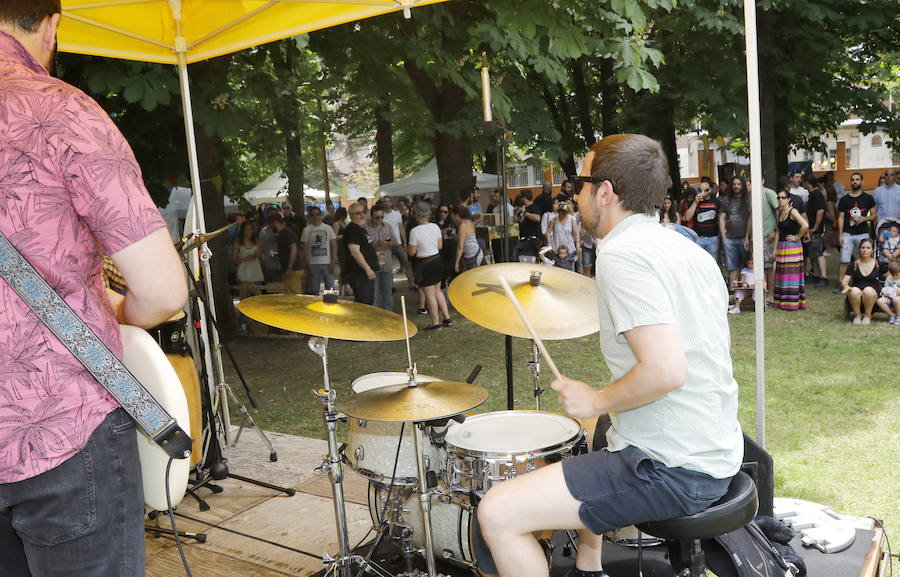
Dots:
(861, 284)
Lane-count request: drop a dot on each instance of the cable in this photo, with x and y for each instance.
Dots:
(248, 536)
(888, 542)
(172, 518)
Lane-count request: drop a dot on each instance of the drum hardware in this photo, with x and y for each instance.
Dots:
(534, 365)
(195, 239)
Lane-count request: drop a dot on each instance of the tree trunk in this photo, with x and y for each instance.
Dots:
(448, 105)
(609, 97)
(583, 103)
(384, 145)
(209, 159)
(660, 114)
(767, 89)
(282, 54)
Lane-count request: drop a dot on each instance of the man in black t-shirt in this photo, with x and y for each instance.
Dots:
(705, 213)
(815, 250)
(360, 258)
(856, 210)
(528, 215)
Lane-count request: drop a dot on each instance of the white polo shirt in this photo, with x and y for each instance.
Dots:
(649, 275)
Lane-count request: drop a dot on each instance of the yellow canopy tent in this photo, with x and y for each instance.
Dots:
(180, 32)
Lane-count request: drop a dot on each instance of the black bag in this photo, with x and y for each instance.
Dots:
(746, 552)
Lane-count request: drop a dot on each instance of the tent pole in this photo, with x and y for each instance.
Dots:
(208, 333)
(756, 198)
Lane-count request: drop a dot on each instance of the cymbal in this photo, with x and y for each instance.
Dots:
(425, 402)
(192, 241)
(311, 315)
(563, 305)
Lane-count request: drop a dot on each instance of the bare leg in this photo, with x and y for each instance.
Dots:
(508, 527)
(854, 297)
(822, 267)
(431, 303)
(587, 270)
(590, 549)
(770, 283)
(421, 298)
(883, 305)
(897, 305)
(869, 296)
(842, 270)
(733, 277)
(441, 301)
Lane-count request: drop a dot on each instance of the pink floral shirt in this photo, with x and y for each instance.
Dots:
(68, 182)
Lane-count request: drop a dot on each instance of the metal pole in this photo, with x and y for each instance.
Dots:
(206, 331)
(510, 401)
(756, 208)
(424, 500)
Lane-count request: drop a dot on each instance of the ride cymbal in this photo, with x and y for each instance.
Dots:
(425, 402)
(311, 315)
(559, 303)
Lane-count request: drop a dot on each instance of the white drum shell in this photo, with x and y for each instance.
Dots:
(372, 447)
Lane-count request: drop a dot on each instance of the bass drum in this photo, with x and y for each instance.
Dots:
(456, 536)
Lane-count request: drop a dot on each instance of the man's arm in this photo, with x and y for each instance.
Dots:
(661, 368)
(820, 214)
(689, 213)
(304, 246)
(357, 255)
(156, 283)
(722, 216)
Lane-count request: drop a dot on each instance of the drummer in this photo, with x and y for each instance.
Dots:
(674, 442)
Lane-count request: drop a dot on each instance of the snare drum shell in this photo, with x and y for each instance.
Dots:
(372, 447)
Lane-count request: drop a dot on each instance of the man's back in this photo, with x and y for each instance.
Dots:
(887, 201)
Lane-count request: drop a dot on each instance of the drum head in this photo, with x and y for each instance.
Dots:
(512, 431)
(378, 380)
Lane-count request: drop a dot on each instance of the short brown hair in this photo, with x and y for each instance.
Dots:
(28, 14)
(894, 267)
(637, 168)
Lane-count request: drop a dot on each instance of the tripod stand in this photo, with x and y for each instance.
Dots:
(213, 466)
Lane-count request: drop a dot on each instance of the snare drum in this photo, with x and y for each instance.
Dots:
(372, 445)
(494, 447)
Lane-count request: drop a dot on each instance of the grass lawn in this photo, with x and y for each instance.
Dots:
(832, 398)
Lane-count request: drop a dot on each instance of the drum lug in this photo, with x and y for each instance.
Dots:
(511, 470)
(529, 464)
(362, 423)
(453, 473)
(359, 454)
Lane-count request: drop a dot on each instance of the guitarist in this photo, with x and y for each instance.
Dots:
(70, 488)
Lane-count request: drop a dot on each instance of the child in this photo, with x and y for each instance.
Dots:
(889, 301)
(890, 250)
(562, 259)
(743, 288)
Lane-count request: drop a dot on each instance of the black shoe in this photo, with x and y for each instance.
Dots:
(448, 322)
(432, 327)
(820, 282)
(423, 311)
(837, 290)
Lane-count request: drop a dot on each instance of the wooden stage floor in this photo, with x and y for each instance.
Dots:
(304, 521)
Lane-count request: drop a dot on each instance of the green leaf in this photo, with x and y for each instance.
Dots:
(635, 13)
(134, 91)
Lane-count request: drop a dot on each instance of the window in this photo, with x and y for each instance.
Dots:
(877, 140)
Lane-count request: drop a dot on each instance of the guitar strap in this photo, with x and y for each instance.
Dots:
(92, 352)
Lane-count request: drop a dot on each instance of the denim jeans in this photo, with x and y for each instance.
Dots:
(384, 283)
(84, 517)
(735, 253)
(711, 245)
(319, 273)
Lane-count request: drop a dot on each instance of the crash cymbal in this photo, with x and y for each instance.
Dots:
(560, 304)
(192, 241)
(425, 402)
(311, 315)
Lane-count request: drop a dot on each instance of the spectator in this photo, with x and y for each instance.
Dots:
(384, 241)
(815, 250)
(769, 209)
(705, 214)
(547, 216)
(329, 214)
(839, 189)
(563, 260)
(790, 286)
(544, 201)
(364, 203)
(743, 290)
(469, 199)
(889, 301)
(861, 284)
(403, 207)
(394, 219)
(268, 237)
(855, 210)
(528, 214)
(723, 189)
(468, 252)
(495, 208)
(563, 231)
(246, 253)
(887, 196)
(319, 244)
(829, 238)
(341, 221)
(425, 243)
(287, 245)
(588, 248)
(890, 249)
(359, 256)
(690, 195)
(668, 213)
(733, 216)
(797, 188)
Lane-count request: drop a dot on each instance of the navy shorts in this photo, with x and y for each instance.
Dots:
(627, 487)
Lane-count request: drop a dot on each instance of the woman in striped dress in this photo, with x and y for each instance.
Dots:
(790, 285)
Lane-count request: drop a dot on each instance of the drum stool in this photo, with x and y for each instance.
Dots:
(734, 510)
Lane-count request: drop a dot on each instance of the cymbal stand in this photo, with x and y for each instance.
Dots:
(332, 465)
(424, 492)
(535, 365)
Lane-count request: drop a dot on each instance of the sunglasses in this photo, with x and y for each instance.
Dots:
(591, 179)
(783, 197)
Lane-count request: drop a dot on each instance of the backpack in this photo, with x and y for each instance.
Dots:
(746, 552)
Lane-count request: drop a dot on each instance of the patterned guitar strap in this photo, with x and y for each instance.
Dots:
(91, 352)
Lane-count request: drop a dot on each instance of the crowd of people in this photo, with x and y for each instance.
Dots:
(804, 218)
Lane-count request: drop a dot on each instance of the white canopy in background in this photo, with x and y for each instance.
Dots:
(426, 180)
(274, 189)
(175, 212)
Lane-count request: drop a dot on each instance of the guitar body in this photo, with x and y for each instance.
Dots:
(149, 365)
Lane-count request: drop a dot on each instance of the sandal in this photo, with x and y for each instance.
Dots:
(433, 327)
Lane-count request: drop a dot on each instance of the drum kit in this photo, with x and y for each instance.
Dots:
(427, 458)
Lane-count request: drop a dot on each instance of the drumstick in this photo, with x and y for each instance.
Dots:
(534, 337)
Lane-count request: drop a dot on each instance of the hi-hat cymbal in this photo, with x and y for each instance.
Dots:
(311, 315)
(560, 304)
(425, 402)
